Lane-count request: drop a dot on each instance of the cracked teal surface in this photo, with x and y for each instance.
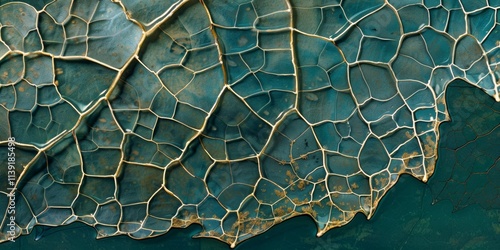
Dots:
(136, 117)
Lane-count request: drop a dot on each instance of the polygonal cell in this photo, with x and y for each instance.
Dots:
(223, 175)
(126, 119)
(358, 129)
(84, 206)
(75, 27)
(277, 62)
(176, 78)
(239, 149)
(308, 20)
(328, 136)
(338, 77)
(164, 205)
(25, 96)
(7, 97)
(108, 213)
(304, 144)
(294, 126)
(147, 119)
(12, 37)
(52, 34)
(99, 189)
(246, 15)
(190, 189)
(373, 156)
(39, 69)
(156, 224)
(194, 18)
(41, 117)
(143, 131)
(347, 202)
(105, 132)
(490, 43)
(132, 189)
(311, 51)
(219, 178)
(61, 194)
(32, 42)
(11, 69)
(467, 52)
(283, 208)
(439, 46)
(414, 17)
(254, 59)
(438, 18)
(456, 23)
(84, 9)
(341, 164)
(248, 86)
(359, 184)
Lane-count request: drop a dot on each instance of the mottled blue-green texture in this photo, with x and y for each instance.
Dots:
(136, 117)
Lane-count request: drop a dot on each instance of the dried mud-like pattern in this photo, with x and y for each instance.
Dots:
(136, 117)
